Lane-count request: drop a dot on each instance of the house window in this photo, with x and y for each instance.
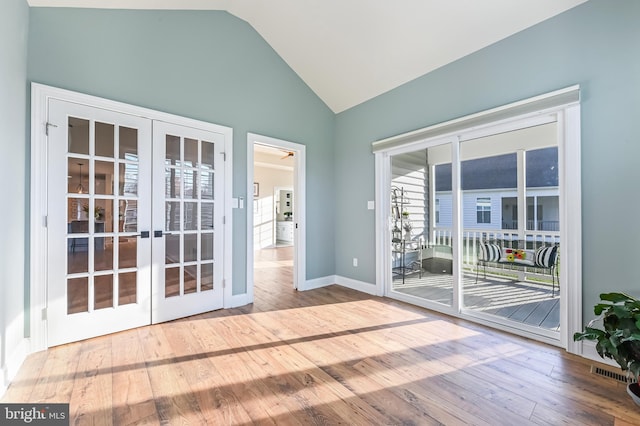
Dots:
(483, 209)
(437, 210)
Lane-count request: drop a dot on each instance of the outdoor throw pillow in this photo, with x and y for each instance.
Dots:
(489, 252)
(519, 256)
(546, 256)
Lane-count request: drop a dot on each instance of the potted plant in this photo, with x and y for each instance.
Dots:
(620, 337)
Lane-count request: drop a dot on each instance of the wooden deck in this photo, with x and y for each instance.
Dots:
(328, 356)
(520, 301)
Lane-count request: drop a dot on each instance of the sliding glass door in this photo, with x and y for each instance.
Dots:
(452, 202)
(421, 218)
(510, 227)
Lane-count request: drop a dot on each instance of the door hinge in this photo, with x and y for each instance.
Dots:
(224, 156)
(45, 221)
(46, 127)
(224, 283)
(44, 314)
(224, 220)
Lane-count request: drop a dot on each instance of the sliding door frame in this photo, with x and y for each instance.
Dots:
(562, 107)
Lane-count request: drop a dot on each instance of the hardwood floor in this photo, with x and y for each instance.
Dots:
(326, 356)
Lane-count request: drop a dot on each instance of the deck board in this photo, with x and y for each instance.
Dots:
(532, 304)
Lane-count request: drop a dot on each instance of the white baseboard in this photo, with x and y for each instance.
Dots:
(318, 283)
(362, 286)
(589, 352)
(13, 364)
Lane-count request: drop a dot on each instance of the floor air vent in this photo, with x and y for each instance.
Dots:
(612, 374)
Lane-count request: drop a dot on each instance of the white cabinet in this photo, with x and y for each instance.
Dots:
(284, 231)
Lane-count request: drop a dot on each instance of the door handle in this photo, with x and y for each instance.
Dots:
(158, 234)
(143, 234)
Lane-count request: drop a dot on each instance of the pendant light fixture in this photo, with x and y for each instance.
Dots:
(80, 188)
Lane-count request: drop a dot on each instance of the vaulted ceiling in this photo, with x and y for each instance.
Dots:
(349, 51)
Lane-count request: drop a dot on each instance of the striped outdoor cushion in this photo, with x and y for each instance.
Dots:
(546, 256)
(489, 252)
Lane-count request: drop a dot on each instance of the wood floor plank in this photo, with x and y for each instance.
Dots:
(133, 401)
(92, 398)
(217, 404)
(26, 378)
(57, 376)
(175, 403)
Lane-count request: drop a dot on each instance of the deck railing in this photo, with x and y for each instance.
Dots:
(471, 239)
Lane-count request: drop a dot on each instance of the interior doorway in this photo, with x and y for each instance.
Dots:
(275, 236)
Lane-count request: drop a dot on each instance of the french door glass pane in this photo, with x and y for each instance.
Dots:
(77, 175)
(128, 215)
(103, 291)
(77, 295)
(128, 144)
(190, 247)
(127, 284)
(172, 249)
(172, 182)
(78, 136)
(173, 150)
(103, 177)
(128, 179)
(172, 215)
(104, 139)
(172, 282)
(190, 152)
(206, 270)
(103, 253)
(127, 252)
(190, 279)
(208, 155)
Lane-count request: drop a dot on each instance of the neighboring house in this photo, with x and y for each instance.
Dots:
(489, 198)
(497, 209)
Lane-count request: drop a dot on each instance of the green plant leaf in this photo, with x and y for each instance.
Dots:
(600, 308)
(616, 297)
(621, 311)
(590, 334)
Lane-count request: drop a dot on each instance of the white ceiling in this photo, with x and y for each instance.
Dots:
(349, 51)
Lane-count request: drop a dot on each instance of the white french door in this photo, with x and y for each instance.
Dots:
(134, 221)
(188, 217)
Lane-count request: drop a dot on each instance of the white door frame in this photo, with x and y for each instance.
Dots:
(40, 95)
(299, 204)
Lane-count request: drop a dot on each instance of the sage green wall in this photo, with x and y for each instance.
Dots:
(594, 45)
(206, 65)
(14, 25)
